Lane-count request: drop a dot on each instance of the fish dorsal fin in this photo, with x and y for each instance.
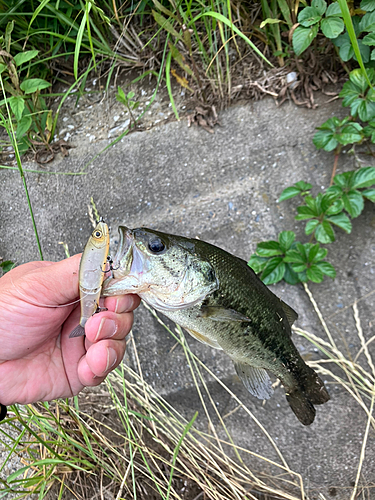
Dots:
(256, 380)
(218, 313)
(203, 338)
(291, 314)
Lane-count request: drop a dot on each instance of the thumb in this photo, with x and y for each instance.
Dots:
(57, 282)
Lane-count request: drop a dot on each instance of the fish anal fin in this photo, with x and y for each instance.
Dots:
(218, 313)
(290, 313)
(77, 332)
(202, 338)
(256, 380)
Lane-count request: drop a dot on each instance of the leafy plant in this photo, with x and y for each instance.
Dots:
(364, 31)
(313, 17)
(128, 101)
(31, 117)
(290, 260)
(295, 262)
(335, 133)
(359, 95)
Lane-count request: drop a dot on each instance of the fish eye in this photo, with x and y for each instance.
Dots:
(156, 245)
(97, 234)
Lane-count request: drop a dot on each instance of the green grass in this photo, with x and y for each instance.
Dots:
(128, 440)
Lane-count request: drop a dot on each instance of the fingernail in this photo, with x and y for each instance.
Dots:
(107, 329)
(129, 303)
(111, 358)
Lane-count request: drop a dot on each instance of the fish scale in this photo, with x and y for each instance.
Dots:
(219, 300)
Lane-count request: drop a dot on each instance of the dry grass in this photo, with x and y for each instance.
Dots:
(129, 442)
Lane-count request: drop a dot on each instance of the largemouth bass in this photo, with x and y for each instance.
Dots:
(92, 269)
(221, 302)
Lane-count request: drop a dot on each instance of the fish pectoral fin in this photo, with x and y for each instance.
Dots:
(77, 332)
(203, 338)
(290, 313)
(256, 380)
(218, 313)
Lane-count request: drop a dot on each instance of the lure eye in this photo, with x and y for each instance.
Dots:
(156, 245)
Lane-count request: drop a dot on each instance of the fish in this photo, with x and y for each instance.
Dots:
(92, 268)
(220, 301)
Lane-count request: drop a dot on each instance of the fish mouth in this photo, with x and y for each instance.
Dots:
(127, 268)
(123, 260)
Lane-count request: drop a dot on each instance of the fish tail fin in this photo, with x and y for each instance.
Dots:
(301, 406)
(77, 332)
(310, 391)
(314, 388)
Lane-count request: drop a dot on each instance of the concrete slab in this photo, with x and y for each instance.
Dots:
(222, 188)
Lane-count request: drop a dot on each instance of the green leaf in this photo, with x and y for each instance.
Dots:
(313, 252)
(311, 226)
(302, 38)
(367, 22)
(332, 26)
(367, 5)
(23, 126)
(322, 253)
(289, 192)
(290, 276)
(17, 105)
(268, 248)
(327, 269)
(304, 212)
(346, 50)
(369, 39)
(364, 108)
(33, 84)
(364, 177)
(269, 20)
(314, 274)
(286, 239)
(299, 268)
(369, 194)
(309, 16)
(337, 206)
(165, 24)
(7, 265)
(342, 221)
(295, 257)
(324, 139)
(257, 263)
(333, 10)
(274, 271)
(353, 203)
(303, 186)
(350, 134)
(23, 57)
(320, 6)
(324, 232)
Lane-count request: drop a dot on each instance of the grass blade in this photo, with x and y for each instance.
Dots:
(226, 21)
(353, 38)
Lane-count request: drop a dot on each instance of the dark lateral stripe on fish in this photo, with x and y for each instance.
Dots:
(77, 332)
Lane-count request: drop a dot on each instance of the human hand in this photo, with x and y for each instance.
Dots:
(38, 361)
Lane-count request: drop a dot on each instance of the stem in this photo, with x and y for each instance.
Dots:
(337, 154)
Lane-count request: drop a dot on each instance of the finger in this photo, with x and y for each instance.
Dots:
(86, 376)
(107, 324)
(122, 303)
(105, 356)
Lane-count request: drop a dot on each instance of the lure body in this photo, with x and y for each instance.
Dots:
(91, 274)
